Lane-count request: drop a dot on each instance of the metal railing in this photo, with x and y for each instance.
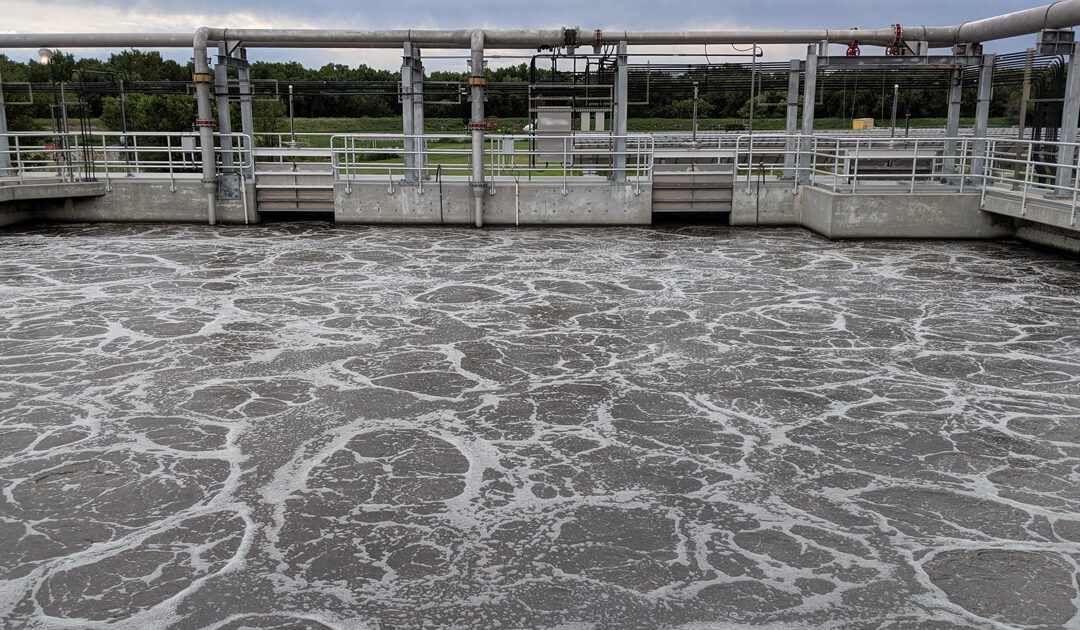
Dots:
(1011, 167)
(108, 155)
(417, 158)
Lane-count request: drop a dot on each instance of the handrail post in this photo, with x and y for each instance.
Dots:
(105, 161)
(1027, 179)
(21, 162)
(855, 175)
(963, 164)
(914, 166)
(169, 152)
(564, 191)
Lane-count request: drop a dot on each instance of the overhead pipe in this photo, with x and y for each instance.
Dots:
(477, 125)
(1063, 14)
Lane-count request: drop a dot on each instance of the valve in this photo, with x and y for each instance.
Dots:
(896, 48)
(853, 48)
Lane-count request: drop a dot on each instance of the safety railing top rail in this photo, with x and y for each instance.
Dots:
(73, 156)
(356, 155)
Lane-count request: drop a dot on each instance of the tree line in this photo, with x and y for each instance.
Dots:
(654, 94)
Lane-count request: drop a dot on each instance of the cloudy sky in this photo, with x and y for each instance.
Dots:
(36, 16)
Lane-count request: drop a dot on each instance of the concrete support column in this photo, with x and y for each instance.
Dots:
(619, 124)
(809, 101)
(408, 127)
(221, 90)
(1069, 120)
(982, 112)
(5, 159)
(600, 124)
(952, 120)
(247, 119)
(586, 121)
(794, 74)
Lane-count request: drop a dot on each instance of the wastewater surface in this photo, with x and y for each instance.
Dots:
(314, 427)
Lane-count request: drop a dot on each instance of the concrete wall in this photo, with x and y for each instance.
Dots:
(1058, 238)
(898, 215)
(1047, 212)
(772, 203)
(134, 200)
(528, 203)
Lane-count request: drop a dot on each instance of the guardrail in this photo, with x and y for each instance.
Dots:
(72, 156)
(418, 158)
(1020, 169)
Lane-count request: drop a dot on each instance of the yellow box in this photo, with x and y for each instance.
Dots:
(862, 123)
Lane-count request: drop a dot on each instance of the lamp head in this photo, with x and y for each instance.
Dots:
(44, 56)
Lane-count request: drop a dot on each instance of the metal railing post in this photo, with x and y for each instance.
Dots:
(169, 152)
(855, 175)
(1027, 179)
(914, 166)
(22, 164)
(105, 160)
(564, 190)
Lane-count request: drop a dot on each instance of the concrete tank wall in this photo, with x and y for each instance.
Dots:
(528, 203)
(771, 203)
(898, 215)
(140, 200)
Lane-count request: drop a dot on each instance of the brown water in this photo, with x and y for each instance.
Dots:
(309, 427)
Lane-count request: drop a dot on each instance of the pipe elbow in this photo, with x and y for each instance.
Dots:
(202, 38)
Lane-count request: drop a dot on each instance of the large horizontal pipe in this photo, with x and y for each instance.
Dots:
(1064, 14)
(291, 38)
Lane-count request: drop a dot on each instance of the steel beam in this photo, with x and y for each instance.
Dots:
(944, 62)
(952, 119)
(809, 100)
(418, 106)
(619, 124)
(1069, 120)
(5, 159)
(247, 119)
(408, 129)
(794, 74)
(221, 90)
(982, 112)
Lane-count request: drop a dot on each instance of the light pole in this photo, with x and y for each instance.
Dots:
(895, 96)
(45, 56)
(695, 113)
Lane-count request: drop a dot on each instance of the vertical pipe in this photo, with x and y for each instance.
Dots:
(407, 127)
(619, 125)
(476, 80)
(792, 118)
(221, 90)
(1069, 120)
(982, 112)
(952, 120)
(205, 122)
(809, 98)
(5, 158)
(247, 119)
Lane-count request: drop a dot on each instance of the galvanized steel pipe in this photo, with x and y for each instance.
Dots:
(476, 81)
